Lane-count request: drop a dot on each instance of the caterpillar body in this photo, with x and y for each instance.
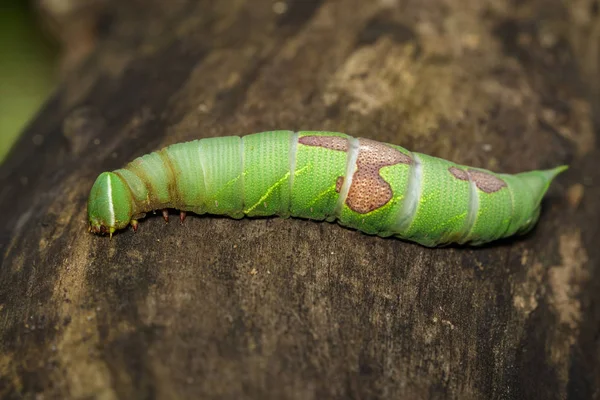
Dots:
(374, 187)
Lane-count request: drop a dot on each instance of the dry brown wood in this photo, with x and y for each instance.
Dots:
(293, 309)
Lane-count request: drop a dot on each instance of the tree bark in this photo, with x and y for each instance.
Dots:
(294, 309)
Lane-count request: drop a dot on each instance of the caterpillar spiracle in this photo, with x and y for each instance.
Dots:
(374, 187)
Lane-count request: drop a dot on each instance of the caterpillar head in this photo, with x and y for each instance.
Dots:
(109, 205)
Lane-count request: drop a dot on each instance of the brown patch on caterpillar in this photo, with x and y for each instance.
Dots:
(369, 191)
(171, 183)
(484, 181)
(328, 142)
(459, 173)
(339, 183)
(136, 167)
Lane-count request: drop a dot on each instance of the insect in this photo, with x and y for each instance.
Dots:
(374, 187)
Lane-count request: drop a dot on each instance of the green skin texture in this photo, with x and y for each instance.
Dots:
(374, 187)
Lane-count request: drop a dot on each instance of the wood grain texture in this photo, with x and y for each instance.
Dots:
(292, 309)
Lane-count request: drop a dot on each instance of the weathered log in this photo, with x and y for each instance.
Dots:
(294, 309)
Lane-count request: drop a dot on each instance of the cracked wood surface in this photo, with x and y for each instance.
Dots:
(292, 309)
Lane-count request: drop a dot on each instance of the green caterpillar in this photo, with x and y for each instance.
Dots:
(374, 187)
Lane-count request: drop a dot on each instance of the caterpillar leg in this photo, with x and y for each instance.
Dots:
(182, 215)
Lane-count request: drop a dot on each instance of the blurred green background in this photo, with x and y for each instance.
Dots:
(28, 68)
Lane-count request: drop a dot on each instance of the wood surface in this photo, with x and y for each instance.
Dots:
(294, 309)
